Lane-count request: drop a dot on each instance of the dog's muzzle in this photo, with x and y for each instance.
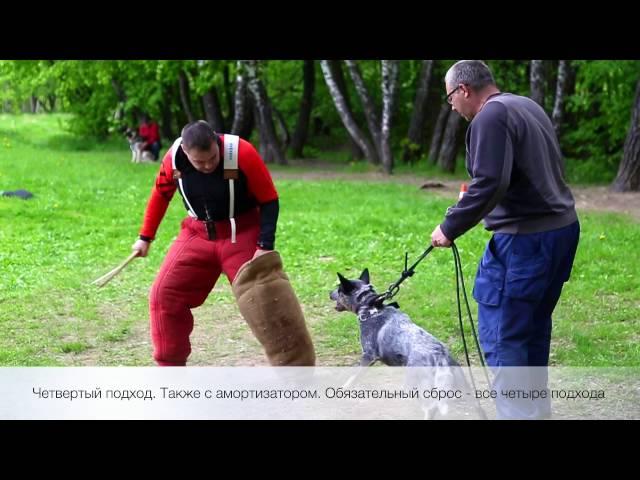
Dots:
(335, 296)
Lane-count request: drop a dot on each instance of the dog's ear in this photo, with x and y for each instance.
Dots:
(364, 276)
(346, 285)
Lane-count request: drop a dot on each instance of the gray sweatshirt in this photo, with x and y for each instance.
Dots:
(516, 167)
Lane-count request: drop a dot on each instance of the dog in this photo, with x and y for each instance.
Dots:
(388, 335)
(136, 143)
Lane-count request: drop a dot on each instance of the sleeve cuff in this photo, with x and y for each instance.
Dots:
(445, 231)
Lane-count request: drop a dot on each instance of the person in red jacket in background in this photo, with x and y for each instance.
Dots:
(150, 133)
(232, 209)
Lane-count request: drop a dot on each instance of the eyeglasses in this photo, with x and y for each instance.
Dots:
(448, 97)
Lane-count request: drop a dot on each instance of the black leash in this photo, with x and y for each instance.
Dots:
(394, 288)
(460, 283)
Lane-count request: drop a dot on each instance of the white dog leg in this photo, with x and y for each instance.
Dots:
(363, 366)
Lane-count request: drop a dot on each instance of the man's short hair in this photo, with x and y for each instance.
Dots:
(198, 135)
(474, 73)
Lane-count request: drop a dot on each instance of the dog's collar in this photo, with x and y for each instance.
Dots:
(365, 314)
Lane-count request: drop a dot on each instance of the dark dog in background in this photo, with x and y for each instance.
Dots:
(388, 335)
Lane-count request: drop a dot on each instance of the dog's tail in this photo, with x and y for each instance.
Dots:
(450, 377)
(438, 385)
(469, 395)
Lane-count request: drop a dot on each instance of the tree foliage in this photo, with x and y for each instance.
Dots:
(106, 95)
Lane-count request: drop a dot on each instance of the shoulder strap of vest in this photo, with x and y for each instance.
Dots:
(231, 145)
(174, 150)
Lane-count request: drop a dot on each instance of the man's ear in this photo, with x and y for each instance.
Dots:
(346, 285)
(364, 276)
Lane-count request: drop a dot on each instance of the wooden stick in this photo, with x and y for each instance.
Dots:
(106, 278)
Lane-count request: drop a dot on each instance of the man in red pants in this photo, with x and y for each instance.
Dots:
(233, 210)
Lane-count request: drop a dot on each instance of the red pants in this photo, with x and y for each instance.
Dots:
(187, 276)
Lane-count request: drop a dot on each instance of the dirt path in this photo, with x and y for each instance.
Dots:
(222, 338)
(587, 198)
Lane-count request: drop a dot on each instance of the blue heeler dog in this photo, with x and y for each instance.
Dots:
(388, 335)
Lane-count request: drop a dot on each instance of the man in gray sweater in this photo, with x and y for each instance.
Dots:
(517, 188)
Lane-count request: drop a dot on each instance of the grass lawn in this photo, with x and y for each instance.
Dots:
(86, 213)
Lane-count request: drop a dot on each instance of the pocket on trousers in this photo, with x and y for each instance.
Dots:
(526, 277)
(488, 286)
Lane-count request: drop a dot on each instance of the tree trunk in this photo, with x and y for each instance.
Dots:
(285, 141)
(122, 98)
(367, 105)
(119, 89)
(250, 123)
(167, 127)
(227, 94)
(45, 105)
(389, 91)
(51, 99)
(561, 91)
(185, 97)
(345, 113)
(243, 118)
(177, 115)
(416, 125)
(167, 119)
(272, 148)
(212, 111)
(628, 178)
(304, 114)
(447, 160)
(536, 78)
(336, 68)
(264, 152)
(436, 137)
(264, 149)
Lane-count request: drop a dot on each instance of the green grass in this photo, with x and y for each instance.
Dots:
(88, 204)
(342, 161)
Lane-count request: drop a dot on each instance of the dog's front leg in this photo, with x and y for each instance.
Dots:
(368, 359)
(365, 362)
